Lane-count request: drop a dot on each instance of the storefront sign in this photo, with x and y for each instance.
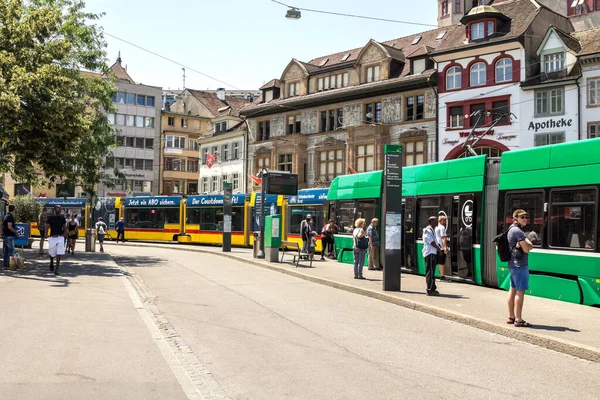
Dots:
(309, 196)
(450, 142)
(171, 201)
(550, 124)
(502, 136)
(214, 200)
(51, 202)
(476, 133)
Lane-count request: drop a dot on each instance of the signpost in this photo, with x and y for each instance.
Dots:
(391, 225)
(227, 210)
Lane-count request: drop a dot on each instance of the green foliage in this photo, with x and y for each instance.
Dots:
(26, 208)
(52, 125)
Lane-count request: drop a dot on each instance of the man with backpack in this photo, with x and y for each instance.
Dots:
(101, 229)
(518, 267)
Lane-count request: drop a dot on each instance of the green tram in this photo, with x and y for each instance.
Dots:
(558, 185)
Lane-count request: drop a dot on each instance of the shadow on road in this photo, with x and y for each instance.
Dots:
(138, 261)
(554, 328)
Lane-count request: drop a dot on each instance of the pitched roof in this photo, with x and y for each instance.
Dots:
(120, 73)
(272, 83)
(589, 40)
(568, 40)
(231, 106)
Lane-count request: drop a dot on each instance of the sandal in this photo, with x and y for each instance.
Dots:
(522, 323)
(510, 320)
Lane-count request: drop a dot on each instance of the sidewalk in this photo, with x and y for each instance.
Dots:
(77, 335)
(564, 327)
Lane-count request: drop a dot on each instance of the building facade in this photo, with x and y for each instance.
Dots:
(589, 83)
(137, 129)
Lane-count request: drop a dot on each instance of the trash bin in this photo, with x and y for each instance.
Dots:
(90, 240)
(256, 247)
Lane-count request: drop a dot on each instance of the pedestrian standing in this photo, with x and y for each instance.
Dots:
(41, 223)
(57, 224)
(430, 252)
(441, 238)
(518, 267)
(8, 236)
(332, 230)
(374, 245)
(101, 229)
(305, 231)
(361, 244)
(120, 227)
(73, 229)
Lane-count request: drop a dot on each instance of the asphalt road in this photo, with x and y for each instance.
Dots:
(265, 335)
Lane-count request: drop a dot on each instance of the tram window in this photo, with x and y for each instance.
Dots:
(345, 216)
(193, 216)
(428, 206)
(298, 214)
(533, 203)
(573, 218)
(366, 209)
(150, 218)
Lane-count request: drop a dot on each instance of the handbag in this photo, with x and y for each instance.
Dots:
(362, 243)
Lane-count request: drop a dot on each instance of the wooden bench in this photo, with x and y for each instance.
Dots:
(296, 251)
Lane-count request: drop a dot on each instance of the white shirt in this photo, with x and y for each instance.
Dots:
(440, 233)
(428, 239)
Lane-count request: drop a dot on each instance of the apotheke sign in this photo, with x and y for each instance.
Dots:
(550, 124)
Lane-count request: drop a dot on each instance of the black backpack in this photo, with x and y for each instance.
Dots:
(502, 245)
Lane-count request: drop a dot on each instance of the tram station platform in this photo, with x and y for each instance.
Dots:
(565, 327)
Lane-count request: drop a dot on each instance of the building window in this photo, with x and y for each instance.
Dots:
(139, 163)
(501, 111)
(129, 163)
(131, 98)
(542, 139)
(184, 122)
(148, 165)
(478, 74)
(444, 8)
(554, 62)
(285, 162)
(205, 184)
(150, 101)
(414, 153)
(120, 141)
(477, 30)
(193, 144)
(214, 183)
(331, 120)
(149, 143)
(111, 118)
(294, 89)
(594, 92)
(373, 74)
(174, 164)
(236, 151)
(130, 120)
(121, 97)
(332, 82)
(235, 181)
(204, 155)
(139, 143)
(121, 119)
(372, 113)
(264, 130)
(149, 122)
(192, 188)
(263, 162)
(504, 70)
(141, 100)
(171, 121)
(225, 152)
(331, 164)
(415, 107)
(457, 6)
(365, 158)
(139, 121)
(130, 141)
(177, 142)
(456, 117)
(454, 78)
(221, 127)
(192, 165)
(549, 102)
(477, 115)
(593, 131)
(293, 124)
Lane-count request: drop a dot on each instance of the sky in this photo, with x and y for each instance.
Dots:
(244, 43)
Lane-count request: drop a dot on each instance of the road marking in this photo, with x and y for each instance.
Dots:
(195, 379)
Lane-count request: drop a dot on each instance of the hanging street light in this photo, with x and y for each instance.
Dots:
(293, 13)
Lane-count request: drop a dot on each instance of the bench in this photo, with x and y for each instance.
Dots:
(296, 251)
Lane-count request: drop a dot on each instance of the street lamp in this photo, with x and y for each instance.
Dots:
(293, 13)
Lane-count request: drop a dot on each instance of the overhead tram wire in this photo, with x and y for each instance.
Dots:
(172, 61)
(353, 15)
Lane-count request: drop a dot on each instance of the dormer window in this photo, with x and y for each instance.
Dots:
(373, 74)
(481, 29)
(554, 62)
(294, 89)
(332, 82)
(477, 30)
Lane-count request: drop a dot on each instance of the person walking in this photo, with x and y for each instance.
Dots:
(305, 231)
(374, 245)
(41, 223)
(441, 238)
(57, 224)
(361, 244)
(101, 229)
(73, 229)
(120, 227)
(430, 252)
(518, 268)
(8, 236)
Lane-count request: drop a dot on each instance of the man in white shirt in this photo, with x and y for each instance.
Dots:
(442, 240)
(430, 252)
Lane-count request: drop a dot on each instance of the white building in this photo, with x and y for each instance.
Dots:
(589, 84)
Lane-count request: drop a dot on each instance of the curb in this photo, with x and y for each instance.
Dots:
(559, 345)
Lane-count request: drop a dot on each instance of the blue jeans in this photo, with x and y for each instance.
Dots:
(8, 247)
(359, 262)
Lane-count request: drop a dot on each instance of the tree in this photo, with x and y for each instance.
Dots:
(52, 122)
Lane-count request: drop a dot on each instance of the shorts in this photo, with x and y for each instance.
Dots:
(519, 278)
(101, 238)
(56, 246)
(441, 259)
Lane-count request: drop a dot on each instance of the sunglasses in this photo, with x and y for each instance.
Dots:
(524, 216)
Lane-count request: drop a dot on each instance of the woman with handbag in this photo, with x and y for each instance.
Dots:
(361, 244)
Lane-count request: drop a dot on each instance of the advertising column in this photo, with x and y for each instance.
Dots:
(391, 224)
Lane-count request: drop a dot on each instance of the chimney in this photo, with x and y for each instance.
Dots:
(221, 94)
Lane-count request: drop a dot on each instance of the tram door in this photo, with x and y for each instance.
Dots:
(463, 224)
(409, 246)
